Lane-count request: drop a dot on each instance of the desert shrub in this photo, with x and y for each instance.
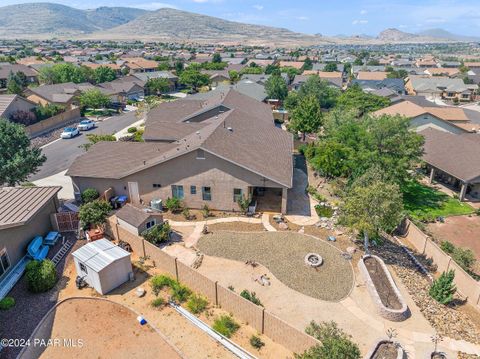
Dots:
(335, 343)
(186, 213)
(157, 302)
(464, 257)
(180, 292)
(159, 282)
(251, 296)
(206, 211)
(132, 129)
(47, 111)
(7, 303)
(26, 118)
(158, 233)
(443, 289)
(89, 195)
(256, 342)
(197, 303)
(173, 204)
(324, 211)
(447, 246)
(41, 276)
(225, 325)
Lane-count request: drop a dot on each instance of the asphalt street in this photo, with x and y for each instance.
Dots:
(61, 153)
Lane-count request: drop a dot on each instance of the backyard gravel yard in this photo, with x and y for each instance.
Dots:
(283, 254)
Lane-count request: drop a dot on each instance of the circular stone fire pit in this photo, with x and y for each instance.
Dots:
(313, 260)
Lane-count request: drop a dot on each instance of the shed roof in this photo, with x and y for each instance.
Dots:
(99, 254)
(134, 215)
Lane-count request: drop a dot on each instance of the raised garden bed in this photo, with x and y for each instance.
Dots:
(382, 288)
(386, 349)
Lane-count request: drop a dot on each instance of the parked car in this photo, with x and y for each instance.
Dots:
(69, 132)
(86, 125)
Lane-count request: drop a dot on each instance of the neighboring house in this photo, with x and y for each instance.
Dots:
(139, 64)
(472, 65)
(372, 75)
(262, 78)
(217, 76)
(295, 64)
(448, 119)
(260, 62)
(440, 71)
(453, 160)
(94, 66)
(6, 69)
(321, 67)
(440, 87)
(145, 76)
(10, 104)
(24, 213)
(365, 68)
(137, 219)
(334, 78)
(395, 85)
(205, 152)
(123, 89)
(59, 94)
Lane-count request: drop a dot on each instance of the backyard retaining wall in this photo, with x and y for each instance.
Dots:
(255, 316)
(53, 123)
(466, 285)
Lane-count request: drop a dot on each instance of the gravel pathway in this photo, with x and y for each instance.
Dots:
(283, 254)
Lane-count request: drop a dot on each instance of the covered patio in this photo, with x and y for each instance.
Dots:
(269, 199)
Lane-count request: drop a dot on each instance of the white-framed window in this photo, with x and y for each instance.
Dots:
(150, 224)
(4, 261)
(177, 191)
(237, 194)
(207, 193)
(83, 268)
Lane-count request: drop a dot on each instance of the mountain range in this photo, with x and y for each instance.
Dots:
(47, 20)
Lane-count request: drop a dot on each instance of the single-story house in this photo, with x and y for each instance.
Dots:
(6, 69)
(450, 119)
(217, 76)
(295, 64)
(440, 71)
(212, 151)
(396, 85)
(138, 64)
(24, 213)
(103, 265)
(145, 76)
(59, 94)
(453, 160)
(440, 87)
(136, 219)
(10, 104)
(123, 89)
(372, 75)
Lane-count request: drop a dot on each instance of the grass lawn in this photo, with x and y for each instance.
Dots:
(424, 203)
(99, 112)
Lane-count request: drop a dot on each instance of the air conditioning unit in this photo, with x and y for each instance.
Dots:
(156, 204)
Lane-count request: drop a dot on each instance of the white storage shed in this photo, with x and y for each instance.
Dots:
(103, 265)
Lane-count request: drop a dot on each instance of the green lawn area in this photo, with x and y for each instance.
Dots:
(99, 112)
(425, 203)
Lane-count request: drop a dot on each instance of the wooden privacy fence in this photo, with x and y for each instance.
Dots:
(256, 316)
(466, 285)
(65, 221)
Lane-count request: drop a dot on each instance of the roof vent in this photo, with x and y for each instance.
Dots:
(230, 129)
(144, 162)
(198, 132)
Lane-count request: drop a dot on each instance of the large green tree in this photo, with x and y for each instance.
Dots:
(355, 99)
(372, 205)
(93, 98)
(325, 94)
(17, 159)
(64, 72)
(15, 84)
(307, 116)
(194, 78)
(276, 87)
(104, 74)
(157, 86)
(94, 213)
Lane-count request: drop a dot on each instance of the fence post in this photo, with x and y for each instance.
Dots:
(176, 269)
(216, 293)
(263, 321)
(448, 264)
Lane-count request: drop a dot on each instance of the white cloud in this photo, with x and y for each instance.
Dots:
(301, 18)
(154, 6)
(207, 1)
(258, 7)
(359, 22)
(363, 12)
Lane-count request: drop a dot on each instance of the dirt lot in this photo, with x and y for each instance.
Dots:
(107, 330)
(463, 231)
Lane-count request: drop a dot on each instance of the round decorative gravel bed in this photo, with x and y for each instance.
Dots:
(283, 254)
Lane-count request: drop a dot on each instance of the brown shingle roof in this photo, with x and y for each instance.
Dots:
(18, 205)
(456, 155)
(134, 215)
(372, 75)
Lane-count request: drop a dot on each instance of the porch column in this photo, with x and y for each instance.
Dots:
(432, 175)
(463, 191)
(284, 200)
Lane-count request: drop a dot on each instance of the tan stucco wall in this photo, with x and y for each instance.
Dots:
(222, 176)
(16, 239)
(19, 104)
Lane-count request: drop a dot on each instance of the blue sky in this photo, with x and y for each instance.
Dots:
(320, 16)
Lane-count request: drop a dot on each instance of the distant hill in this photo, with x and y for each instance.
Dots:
(35, 20)
(444, 34)
(397, 36)
(175, 24)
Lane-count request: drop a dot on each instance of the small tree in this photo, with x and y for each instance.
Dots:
(104, 74)
(18, 159)
(158, 233)
(194, 78)
(89, 195)
(93, 98)
(41, 275)
(443, 289)
(307, 116)
(94, 213)
(244, 202)
(217, 58)
(276, 87)
(157, 86)
(173, 204)
(234, 76)
(206, 211)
